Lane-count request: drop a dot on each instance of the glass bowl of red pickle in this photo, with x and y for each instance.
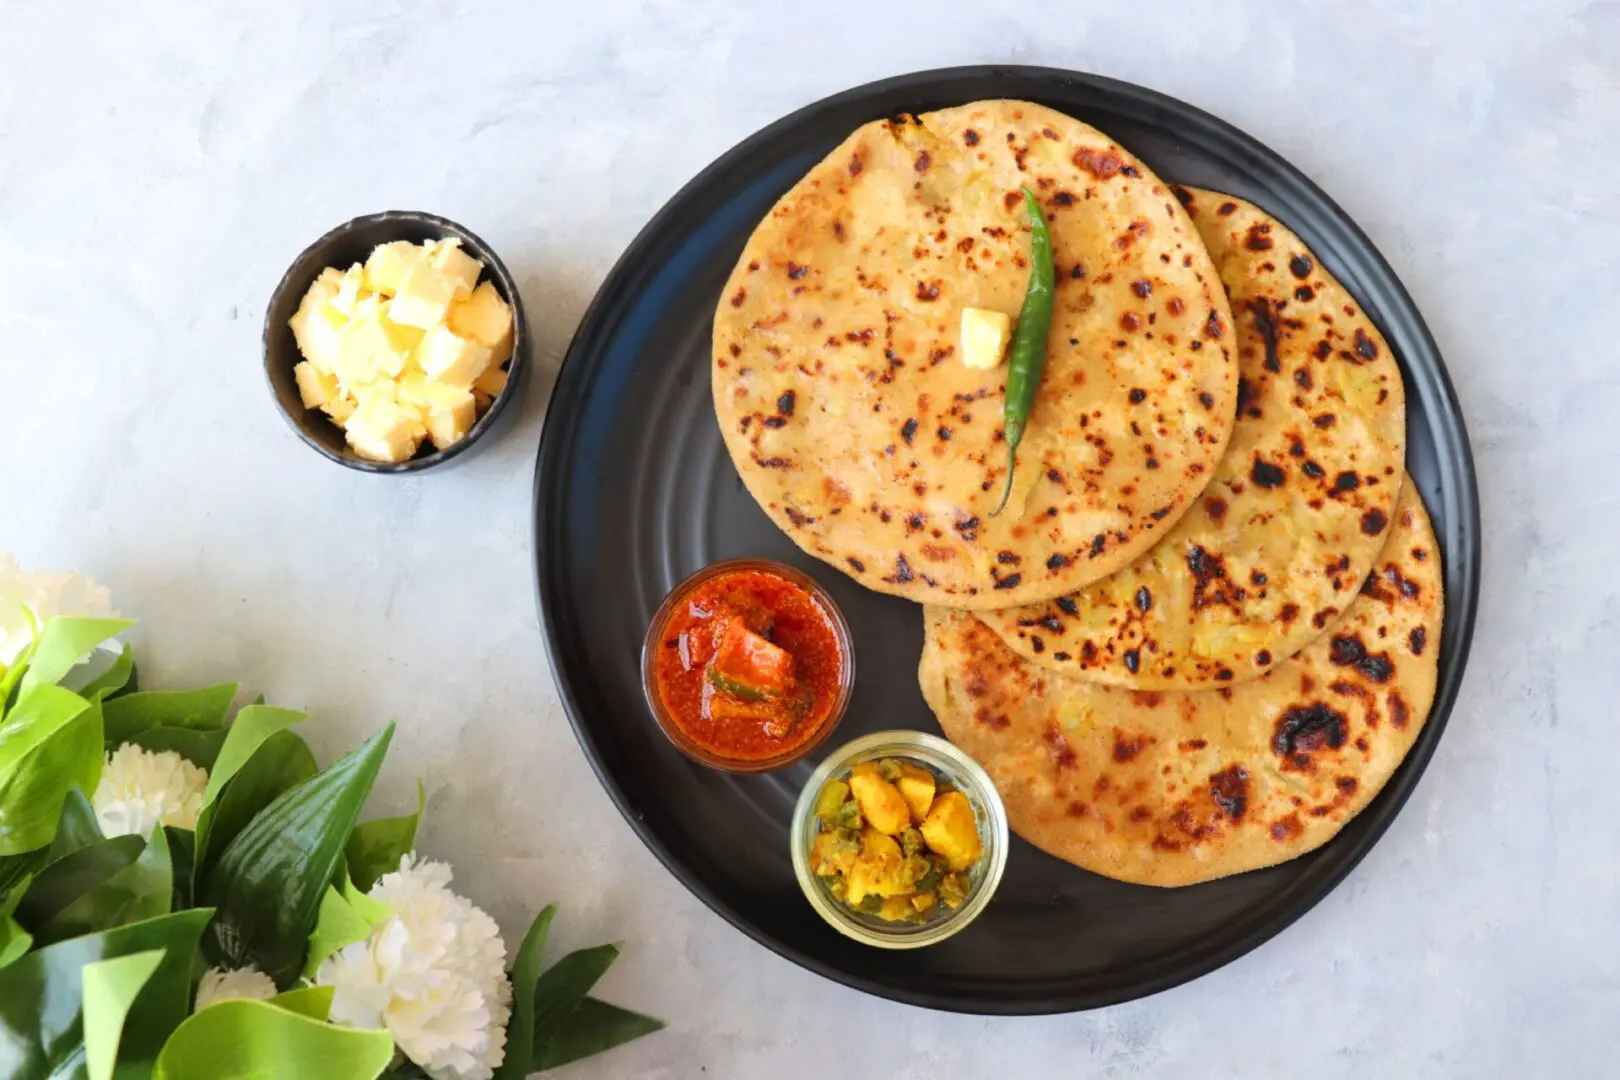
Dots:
(747, 665)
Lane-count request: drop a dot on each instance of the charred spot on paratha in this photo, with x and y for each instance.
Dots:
(1399, 712)
(1347, 650)
(1230, 790)
(1128, 746)
(1305, 729)
(1364, 345)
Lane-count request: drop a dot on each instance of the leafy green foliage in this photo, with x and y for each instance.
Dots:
(203, 709)
(525, 974)
(73, 875)
(260, 1040)
(346, 915)
(198, 747)
(565, 985)
(49, 744)
(110, 988)
(554, 1020)
(61, 644)
(119, 678)
(77, 826)
(314, 1002)
(270, 879)
(182, 851)
(41, 995)
(258, 761)
(14, 940)
(593, 1027)
(376, 846)
(252, 726)
(142, 890)
(96, 975)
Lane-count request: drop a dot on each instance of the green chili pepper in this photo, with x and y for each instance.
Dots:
(1027, 355)
(740, 691)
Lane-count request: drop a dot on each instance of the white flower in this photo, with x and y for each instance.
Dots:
(433, 973)
(27, 601)
(246, 984)
(140, 789)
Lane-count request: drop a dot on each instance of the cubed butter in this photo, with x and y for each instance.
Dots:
(492, 381)
(381, 358)
(412, 386)
(315, 387)
(318, 330)
(373, 347)
(484, 317)
(351, 290)
(423, 299)
(985, 335)
(449, 358)
(382, 430)
(340, 409)
(449, 414)
(461, 268)
(386, 266)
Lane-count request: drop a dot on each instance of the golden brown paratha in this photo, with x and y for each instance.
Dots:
(1171, 788)
(1298, 508)
(852, 419)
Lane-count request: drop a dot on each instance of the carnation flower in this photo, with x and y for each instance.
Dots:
(245, 984)
(140, 789)
(28, 601)
(433, 974)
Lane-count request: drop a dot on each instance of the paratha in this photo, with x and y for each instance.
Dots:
(1174, 788)
(1297, 509)
(853, 421)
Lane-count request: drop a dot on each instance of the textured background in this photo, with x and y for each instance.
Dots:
(160, 166)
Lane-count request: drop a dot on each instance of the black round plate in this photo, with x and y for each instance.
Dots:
(633, 490)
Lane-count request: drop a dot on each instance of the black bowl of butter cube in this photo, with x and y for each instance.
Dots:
(394, 342)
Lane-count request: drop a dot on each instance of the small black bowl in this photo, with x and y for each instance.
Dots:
(344, 246)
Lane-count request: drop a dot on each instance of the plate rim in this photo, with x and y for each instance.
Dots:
(1463, 505)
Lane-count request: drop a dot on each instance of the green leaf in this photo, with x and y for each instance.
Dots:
(376, 846)
(257, 1040)
(200, 747)
(142, 890)
(41, 995)
(11, 676)
(593, 1027)
(61, 644)
(270, 879)
(72, 876)
(16, 873)
(50, 743)
(282, 761)
(117, 679)
(345, 916)
(560, 990)
(76, 827)
(38, 715)
(183, 853)
(314, 1002)
(252, 726)
(525, 973)
(110, 988)
(203, 709)
(14, 941)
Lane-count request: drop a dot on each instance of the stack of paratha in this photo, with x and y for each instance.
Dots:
(1203, 633)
